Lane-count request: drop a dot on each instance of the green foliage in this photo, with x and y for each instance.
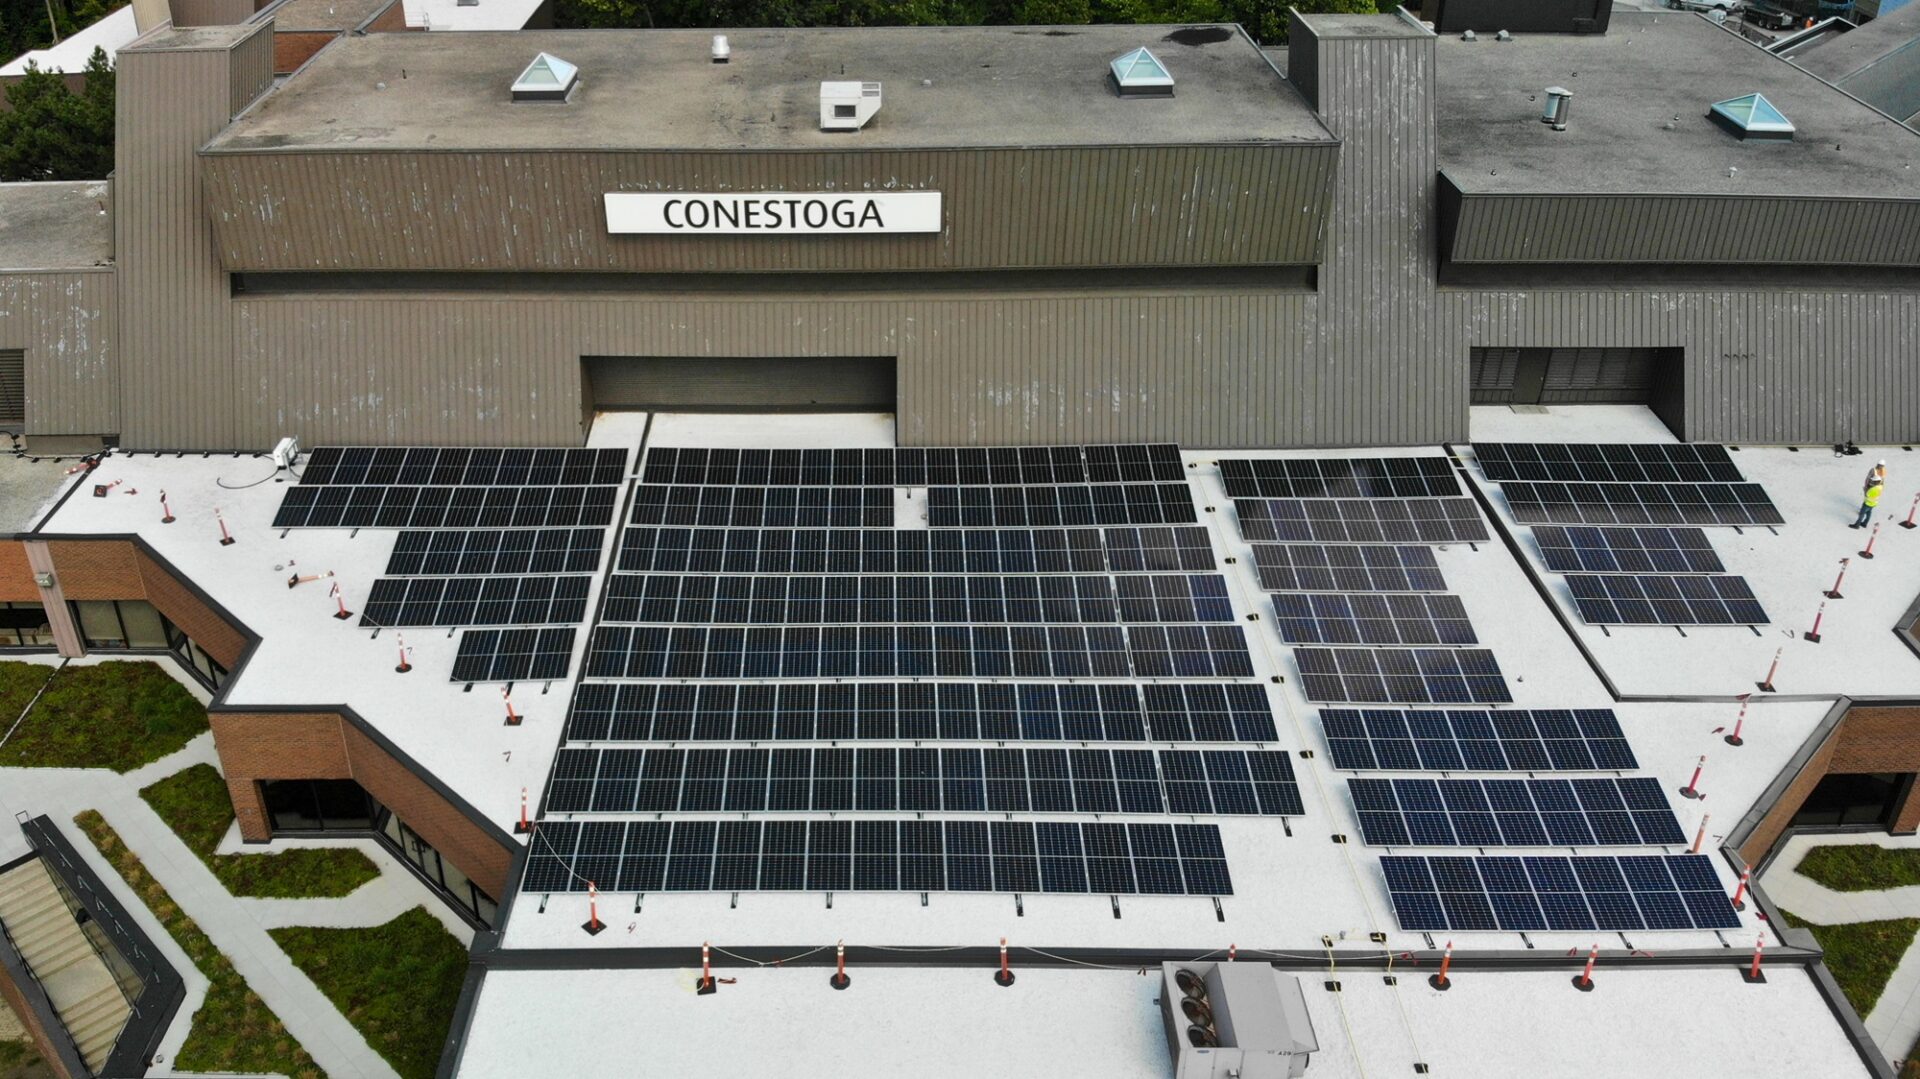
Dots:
(1863, 867)
(20, 1058)
(234, 1030)
(396, 983)
(53, 133)
(24, 25)
(196, 805)
(105, 715)
(1862, 955)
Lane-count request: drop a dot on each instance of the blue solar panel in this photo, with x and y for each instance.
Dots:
(1512, 812)
(1453, 740)
(1539, 892)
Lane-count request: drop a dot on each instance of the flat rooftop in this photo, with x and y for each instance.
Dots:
(55, 226)
(658, 90)
(1638, 124)
(1879, 63)
(325, 14)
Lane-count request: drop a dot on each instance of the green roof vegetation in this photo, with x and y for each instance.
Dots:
(1860, 867)
(1862, 955)
(105, 715)
(195, 804)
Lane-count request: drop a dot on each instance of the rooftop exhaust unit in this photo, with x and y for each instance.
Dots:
(722, 52)
(1559, 101)
(847, 106)
(1240, 1020)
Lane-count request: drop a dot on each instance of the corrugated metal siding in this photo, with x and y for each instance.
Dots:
(1687, 228)
(64, 323)
(1205, 369)
(211, 12)
(252, 71)
(1099, 206)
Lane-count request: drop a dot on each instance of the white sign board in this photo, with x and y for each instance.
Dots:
(772, 213)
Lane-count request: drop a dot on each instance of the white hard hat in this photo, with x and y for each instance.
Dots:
(1880, 464)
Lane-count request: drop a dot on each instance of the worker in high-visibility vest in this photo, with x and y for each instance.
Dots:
(1867, 503)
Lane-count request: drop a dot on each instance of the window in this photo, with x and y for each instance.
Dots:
(1842, 800)
(25, 625)
(844, 112)
(317, 805)
(120, 625)
(1140, 74)
(194, 657)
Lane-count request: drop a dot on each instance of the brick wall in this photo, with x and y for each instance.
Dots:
(1781, 813)
(1874, 739)
(221, 640)
(393, 19)
(16, 577)
(291, 48)
(42, 1042)
(97, 569)
(479, 855)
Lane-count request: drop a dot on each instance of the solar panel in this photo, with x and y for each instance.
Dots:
(513, 655)
(1402, 675)
(946, 651)
(762, 507)
(1287, 567)
(1424, 520)
(921, 711)
(475, 601)
(1627, 892)
(1072, 505)
(1457, 740)
(878, 855)
(1618, 599)
(649, 549)
(496, 551)
(1514, 812)
(1626, 550)
(339, 506)
(1332, 618)
(880, 598)
(913, 466)
(1608, 463)
(953, 779)
(1378, 477)
(1720, 504)
(465, 467)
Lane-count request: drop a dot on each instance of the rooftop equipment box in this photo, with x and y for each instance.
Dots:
(1235, 1021)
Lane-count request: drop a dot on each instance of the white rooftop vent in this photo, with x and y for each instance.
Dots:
(548, 78)
(847, 106)
(1140, 74)
(1559, 102)
(722, 52)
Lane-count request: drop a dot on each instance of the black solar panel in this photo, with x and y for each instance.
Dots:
(1075, 505)
(951, 779)
(1402, 675)
(1514, 812)
(340, 506)
(1332, 618)
(1424, 520)
(1618, 599)
(913, 466)
(1626, 892)
(920, 711)
(513, 655)
(1459, 740)
(1377, 477)
(496, 551)
(1286, 567)
(1719, 504)
(874, 599)
(946, 651)
(463, 467)
(1609, 463)
(762, 507)
(648, 549)
(882, 855)
(1626, 550)
(475, 601)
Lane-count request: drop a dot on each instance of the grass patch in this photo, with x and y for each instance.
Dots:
(234, 1030)
(18, 683)
(1862, 955)
(195, 804)
(20, 1058)
(1860, 867)
(396, 983)
(105, 715)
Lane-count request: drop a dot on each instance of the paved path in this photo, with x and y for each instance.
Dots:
(237, 926)
(1895, 1022)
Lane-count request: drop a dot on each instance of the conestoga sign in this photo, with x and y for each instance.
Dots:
(773, 213)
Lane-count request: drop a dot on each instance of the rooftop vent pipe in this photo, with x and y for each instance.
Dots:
(722, 52)
(1468, 35)
(1559, 100)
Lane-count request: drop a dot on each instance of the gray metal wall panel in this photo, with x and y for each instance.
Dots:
(252, 70)
(1097, 206)
(211, 12)
(64, 322)
(1687, 229)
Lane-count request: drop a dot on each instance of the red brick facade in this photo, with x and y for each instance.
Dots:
(291, 48)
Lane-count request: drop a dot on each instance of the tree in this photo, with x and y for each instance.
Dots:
(55, 134)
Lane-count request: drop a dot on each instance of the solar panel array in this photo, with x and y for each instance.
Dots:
(1413, 619)
(882, 598)
(1626, 550)
(1288, 567)
(892, 779)
(921, 711)
(1001, 466)
(1618, 599)
(1514, 812)
(878, 856)
(1402, 675)
(308, 506)
(1627, 892)
(513, 655)
(476, 601)
(1431, 520)
(1718, 504)
(762, 507)
(1078, 505)
(468, 467)
(1609, 463)
(1461, 740)
(1380, 477)
(489, 551)
(944, 551)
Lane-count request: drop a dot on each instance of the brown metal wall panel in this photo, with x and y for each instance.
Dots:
(251, 72)
(211, 12)
(64, 323)
(1687, 229)
(1095, 206)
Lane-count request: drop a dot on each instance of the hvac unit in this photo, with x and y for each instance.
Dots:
(847, 106)
(285, 452)
(1235, 1021)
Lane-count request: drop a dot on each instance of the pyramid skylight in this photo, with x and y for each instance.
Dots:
(1140, 72)
(1752, 117)
(548, 78)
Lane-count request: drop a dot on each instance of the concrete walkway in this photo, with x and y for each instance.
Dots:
(1895, 1022)
(237, 926)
